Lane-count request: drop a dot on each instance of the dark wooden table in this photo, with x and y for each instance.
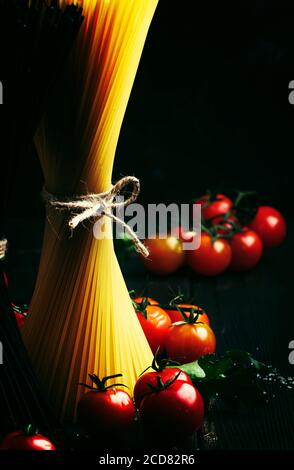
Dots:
(252, 311)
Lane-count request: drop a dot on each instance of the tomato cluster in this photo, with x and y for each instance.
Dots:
(165, 397)
(226, 242)
(180, 330)
(265, 227)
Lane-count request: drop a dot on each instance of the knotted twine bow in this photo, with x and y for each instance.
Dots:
(100, 205)
(3, 248)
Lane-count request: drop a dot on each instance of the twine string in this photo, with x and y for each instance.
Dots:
(3, 248)
(96, 206)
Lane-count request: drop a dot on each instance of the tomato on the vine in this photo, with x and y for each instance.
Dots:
(106, 408)
(212, 257)
(160, 369)
(166, 255)
(154, 321)
(189, 340)
(177, 311)
(246, 250)
(173, 406)
(27, 439)
(213, 206)
(270, 225)
(225, 224)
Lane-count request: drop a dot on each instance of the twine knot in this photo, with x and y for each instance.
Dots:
(3, 248)
(96, 206)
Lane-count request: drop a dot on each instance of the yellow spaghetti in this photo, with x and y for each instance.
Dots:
(82, 319)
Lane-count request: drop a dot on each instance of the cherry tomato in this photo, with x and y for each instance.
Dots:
(246, 250)
(212, 257)
(212, 207)
(20, 316)
(150, 378)
(20, 319)
(270, 225)
(188, 341)
(154, 320)
(166, 255)
(176, 316)
(26, 440)
(108, 409)
(177, 409)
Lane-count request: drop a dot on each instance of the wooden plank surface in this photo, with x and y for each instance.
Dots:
(252, 311)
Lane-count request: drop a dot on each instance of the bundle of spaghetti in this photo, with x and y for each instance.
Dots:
(81, 317)
(35, 39)
(21, 398)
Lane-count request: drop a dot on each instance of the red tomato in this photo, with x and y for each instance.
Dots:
(142, 386)
(108, 409)
(176, 316)
(246, 250)
(155, 322)
(212, 257)
(270, 225)
(20, 319)
(23, 440)
(166, 255)
(20, 316)
(187, 342)
(220, 205)
(176, 409)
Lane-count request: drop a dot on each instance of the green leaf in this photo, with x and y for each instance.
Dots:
(218, 368)
(232, 378)
(215, 368)
(193, 369)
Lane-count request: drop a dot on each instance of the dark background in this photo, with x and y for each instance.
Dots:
(209, 108)
(210, 104)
